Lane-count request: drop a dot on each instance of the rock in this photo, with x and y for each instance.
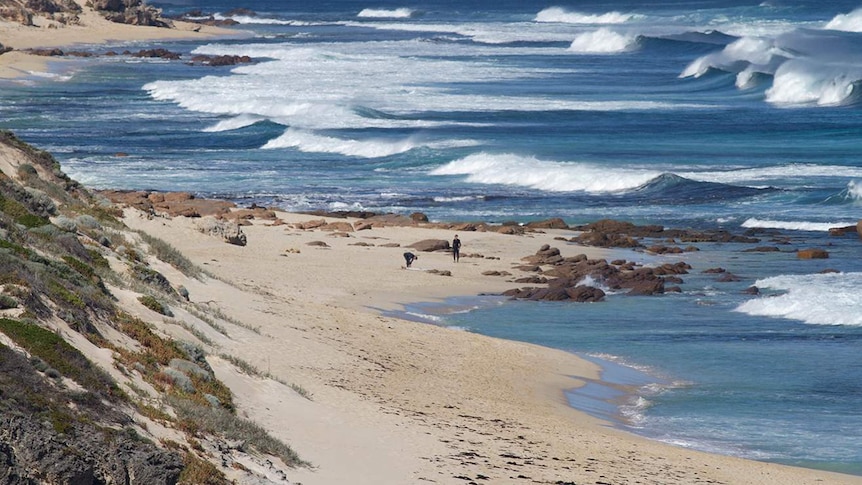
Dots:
(237, 238)
(762, 249)
(219, 61)
(312, 224)
(647, 287)
(751, 290)
(859, 228)
(496, 273)
(439, 272)
(583, 294)
(729, 278)
(337, 226)
(812, 253)
(714, 271)
(429, 245)
(553, 223)
(319, 244)
(842, 231)
(418, 217)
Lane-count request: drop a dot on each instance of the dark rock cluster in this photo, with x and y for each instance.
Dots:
(565, 276)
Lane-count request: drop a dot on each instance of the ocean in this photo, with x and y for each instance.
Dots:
(713, 114)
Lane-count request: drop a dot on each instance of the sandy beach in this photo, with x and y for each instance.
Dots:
(92, 29)
(403, 402)
(391, 401)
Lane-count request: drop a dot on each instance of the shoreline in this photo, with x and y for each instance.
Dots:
(92, 30)
(438, 397)
(487, 379)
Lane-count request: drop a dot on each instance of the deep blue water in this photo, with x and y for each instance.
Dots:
(699, 114)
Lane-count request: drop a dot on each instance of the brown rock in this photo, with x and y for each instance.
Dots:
(812, 253)
(429, 245)
(337, 226)
(418, 217)
(553, 223)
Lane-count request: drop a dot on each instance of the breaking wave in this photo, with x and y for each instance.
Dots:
(373, 148)
(795, 225)
(849, 22)
(602, 41)
(817, 299)
(375, 13)
(815, 67)
(510, 169)
(561, 15)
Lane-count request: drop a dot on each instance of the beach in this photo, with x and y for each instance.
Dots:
(390, 401)
(396, 401)
(93, 29)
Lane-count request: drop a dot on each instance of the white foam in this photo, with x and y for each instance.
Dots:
(747, 54)
(602, 41)
(800, 82)
(254, 20)
(849, 22)
(795, 225)
(772, 175)
(234, 123)
(364, 85)
(854, 190)
(309, 142)
(552, 176)
(561, 15)
(458, 199)
(369, 148)
(398, 13)
(817, 299)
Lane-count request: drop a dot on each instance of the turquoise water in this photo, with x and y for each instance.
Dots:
(695, 114)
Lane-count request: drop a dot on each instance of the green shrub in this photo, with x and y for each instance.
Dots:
(201, 472)
(155, 305)
(20, 214)
(7, 302)
(167, 253)
(58, 354)
(219, 422)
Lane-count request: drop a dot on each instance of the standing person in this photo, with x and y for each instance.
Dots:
(410, 257)
(456, 249)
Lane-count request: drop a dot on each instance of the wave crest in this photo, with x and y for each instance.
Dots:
(794, 225)
(602, 41)
(817, 299)
(561, 15)
(800, 82)
(372, 148)
(379, 13)
(849, 22)
(524, 171)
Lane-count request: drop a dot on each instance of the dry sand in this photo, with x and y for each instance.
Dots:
(399, 402)
(92, 29)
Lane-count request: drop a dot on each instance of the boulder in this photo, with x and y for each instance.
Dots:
(812, 253)
(553, 223)
(859, 228)
(430, 245)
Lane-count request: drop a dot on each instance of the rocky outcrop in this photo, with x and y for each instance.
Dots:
(565, 275)
(34, 452)
(23, 11)
(621, 234)
(132, 12)
(169, 203)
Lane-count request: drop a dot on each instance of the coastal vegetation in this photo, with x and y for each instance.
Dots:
(64, 257)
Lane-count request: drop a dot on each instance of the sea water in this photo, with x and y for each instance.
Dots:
(697, 114)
